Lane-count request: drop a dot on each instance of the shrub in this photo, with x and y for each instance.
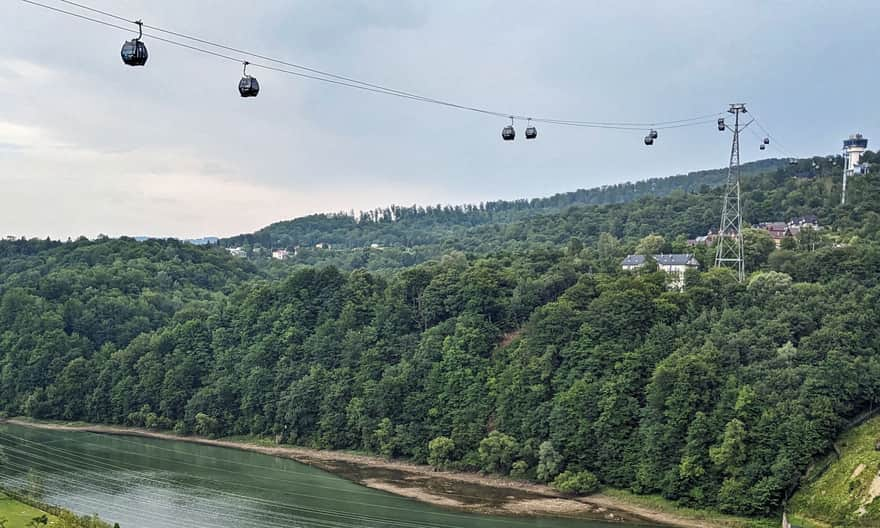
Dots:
(580, 483)
(440, 451)
(519, 469)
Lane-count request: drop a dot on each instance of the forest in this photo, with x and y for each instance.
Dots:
(408, 235)
(516, 347)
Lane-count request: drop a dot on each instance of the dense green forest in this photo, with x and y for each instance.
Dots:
(518, 348)
(410, 235)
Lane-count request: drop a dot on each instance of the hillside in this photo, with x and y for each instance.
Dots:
(523, 349)
(847, 493)
(776, 195)
(423, 231)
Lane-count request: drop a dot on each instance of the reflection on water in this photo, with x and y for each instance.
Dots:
(150, 483)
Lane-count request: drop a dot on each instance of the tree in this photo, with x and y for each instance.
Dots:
(383, 437)
(40, 520)
(497, 451)
(731, 454)
(757, 246)
(765, 284)
(206, 425)
(440, 451)
(549, 461)
(579, 483)
(651, 245)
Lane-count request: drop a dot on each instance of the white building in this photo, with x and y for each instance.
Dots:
(674, 264)
(853, 148)
(237, 252)
(280, 254)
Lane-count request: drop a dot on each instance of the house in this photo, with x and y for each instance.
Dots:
(777, 230)
(237, 252)
(806, 220)
(780, 230)
(322, 245)
(674, 264)
(280, 254)
(706, 240)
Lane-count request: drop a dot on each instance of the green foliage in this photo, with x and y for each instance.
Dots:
(497, 452)
(411, 235)
(549, 462)
(842, 494)
(519, 469)
(20, 510)
(579, 483)
(440, 451)
(650, 245)
(516, 350)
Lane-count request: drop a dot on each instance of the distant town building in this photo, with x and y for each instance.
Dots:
(780, 230)
(280, 254)
(323, 245)
(777, 230)
(674, 264)
(237, 252)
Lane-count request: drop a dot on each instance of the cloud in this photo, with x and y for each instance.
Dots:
(88, 145)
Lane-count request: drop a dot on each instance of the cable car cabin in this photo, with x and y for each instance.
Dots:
(508, 133)
(531, 132)
(721, 124)
(134, 53)
(766, 141)
(649, 140)
(763, 146)
(248, 86)
(653, 133)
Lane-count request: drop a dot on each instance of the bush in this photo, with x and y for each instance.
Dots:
(440, 451)
(496, 452)
(580, 483)
(549, 461)
(519, 469)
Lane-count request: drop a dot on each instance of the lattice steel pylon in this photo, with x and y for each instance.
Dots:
(729, 250)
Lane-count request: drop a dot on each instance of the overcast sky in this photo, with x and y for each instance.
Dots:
(88, 145)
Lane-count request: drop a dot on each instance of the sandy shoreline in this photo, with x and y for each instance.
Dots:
(451, 489)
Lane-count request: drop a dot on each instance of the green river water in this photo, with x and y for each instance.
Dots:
(150, 483)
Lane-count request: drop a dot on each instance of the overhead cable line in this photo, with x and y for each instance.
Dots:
(775, 142)
(350, 82)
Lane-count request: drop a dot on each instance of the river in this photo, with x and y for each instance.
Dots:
(152, 483)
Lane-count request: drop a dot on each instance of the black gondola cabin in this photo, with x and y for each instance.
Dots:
(134, 53)
(248, 86)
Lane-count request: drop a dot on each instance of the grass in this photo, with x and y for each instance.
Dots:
(836, 497)
(655, 502)
(18, 515)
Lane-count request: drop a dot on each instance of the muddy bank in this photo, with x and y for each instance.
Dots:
(458, 490)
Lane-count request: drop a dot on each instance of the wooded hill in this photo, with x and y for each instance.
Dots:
(522, 350)
(409, 235)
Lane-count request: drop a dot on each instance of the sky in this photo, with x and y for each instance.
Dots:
(90, 146)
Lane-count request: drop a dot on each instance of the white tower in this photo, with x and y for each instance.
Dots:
(853, 148)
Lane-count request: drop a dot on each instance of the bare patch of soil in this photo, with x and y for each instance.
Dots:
(857, 471)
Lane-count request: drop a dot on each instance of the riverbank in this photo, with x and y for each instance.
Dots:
(18, 514)
(459, 490)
